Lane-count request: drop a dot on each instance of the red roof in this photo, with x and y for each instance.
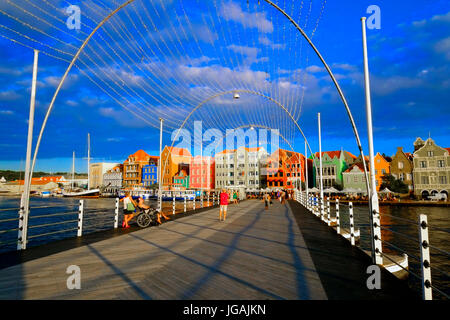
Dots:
(331, 154)
(227, 151)
(179, 151)
(359, 165)
(448, 149)
(34, 182)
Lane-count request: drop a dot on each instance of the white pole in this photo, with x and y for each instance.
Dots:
(73, 169)
(427, 292)
(161, 120)
(306, 172)
(338, 224)
(373, 197)
(320, 168)
(80, 218)
(89, 161)
(116, 214)
(352, 223)
(25, 199)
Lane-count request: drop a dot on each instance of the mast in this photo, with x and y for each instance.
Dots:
(73, 169)
(88, 161)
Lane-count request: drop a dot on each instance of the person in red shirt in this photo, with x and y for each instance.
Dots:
(223, 205)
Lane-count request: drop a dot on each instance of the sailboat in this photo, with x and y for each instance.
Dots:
(89, 193)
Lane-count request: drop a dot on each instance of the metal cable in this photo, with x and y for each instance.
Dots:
(52, 224)
(399, 218)
(444, 294)
(410, 272)
(9, 209)
(5, 231)
(401, 234)
(401, 250)
(55, 214)
(7, 220)
(440, 250)
(50, 233)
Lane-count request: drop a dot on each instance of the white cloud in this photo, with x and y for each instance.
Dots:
(232, 11)
(443, 46)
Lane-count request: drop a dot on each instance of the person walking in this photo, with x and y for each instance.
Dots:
(266, 200)
(129, 207)
(235, 201)
(223, 204)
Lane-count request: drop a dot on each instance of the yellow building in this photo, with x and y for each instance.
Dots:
(173, 160)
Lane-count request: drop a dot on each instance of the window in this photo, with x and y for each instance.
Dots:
(430, 153)
(424, 180)
(422, 164)
(443, 180)
(441, 163)
(400, 164)
(355, 179)
(383, 171)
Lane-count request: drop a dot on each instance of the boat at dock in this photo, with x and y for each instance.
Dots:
(93, 193)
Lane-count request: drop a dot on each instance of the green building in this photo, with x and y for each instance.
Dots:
(181, 180)
(334, 163)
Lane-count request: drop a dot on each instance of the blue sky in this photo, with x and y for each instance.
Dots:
(230, 47)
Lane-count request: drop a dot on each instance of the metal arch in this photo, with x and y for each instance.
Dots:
(201, 104)
(258, 126)
(235, 91)
(270, 3)
(341, 94)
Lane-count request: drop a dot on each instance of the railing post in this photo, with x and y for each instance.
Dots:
(173, 204)
(322, 209)
(377, 237)
(207, 199)
(201, 199)
(352, 225)
(116, 214)
(214, 199)
(193, 204)
(184, 203)
(338, 224)
(328, 211)
(427, 293)
(80, 218)
(22, 234)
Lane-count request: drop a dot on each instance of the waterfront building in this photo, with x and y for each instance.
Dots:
(431, 172)
(150, 172)
(284, 169)
(240, 167)
(181, 181)
(382, 167)
(132, 168)
(202, 173)
(402, 167)
(96, 172)
(17, 186)
(112, 179)
(353, 177)
(173, 161)
(334, 163)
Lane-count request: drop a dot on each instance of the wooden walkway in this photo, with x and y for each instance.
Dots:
(254, 254)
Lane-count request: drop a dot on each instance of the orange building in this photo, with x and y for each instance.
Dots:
(173, 160)
(382, 167)
(288, 172)
(132, 168)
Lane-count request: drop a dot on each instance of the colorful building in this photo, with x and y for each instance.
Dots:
(132, 168)
(112, 179)
(239, 167)
(334, 163)
(354, 178)
(382, 167)
(402, 167)
(150, 173)
(181, 181)
(202, 173)
(284, 169)
(173, 161)
(431, 168)
(96, 172)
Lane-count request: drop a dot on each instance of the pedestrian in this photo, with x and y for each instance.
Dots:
(223, 204)
(129, 207)
(235, 201)
(266, 200)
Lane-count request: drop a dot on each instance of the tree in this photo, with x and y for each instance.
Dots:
(393, 184)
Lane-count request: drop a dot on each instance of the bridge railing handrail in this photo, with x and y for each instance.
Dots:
(312, 205)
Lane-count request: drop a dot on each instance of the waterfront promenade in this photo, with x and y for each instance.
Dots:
(282, 253)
